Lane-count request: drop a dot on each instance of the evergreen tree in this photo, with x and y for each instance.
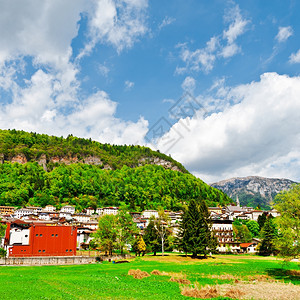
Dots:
(195, 235)
(268, 235)
(2, 234)
(261, 220)
(151, 237)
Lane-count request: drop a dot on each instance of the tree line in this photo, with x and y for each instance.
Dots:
(81, 185)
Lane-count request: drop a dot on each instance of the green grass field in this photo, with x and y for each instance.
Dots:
(111, 281)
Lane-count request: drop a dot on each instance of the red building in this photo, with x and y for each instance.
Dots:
(31, 239)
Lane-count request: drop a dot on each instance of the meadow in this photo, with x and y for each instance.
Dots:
(265, 278)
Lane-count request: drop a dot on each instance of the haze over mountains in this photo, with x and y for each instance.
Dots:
(253, 190)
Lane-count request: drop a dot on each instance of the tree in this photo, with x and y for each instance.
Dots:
(253, 227)
(126, 228)
(106, 234)
(241, 232)
(268, 235)
(261, 220)
(151, 237)
(287, 204)
(2, 234)
(140, 246)
(195, 233)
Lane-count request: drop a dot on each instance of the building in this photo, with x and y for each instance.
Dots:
(223, 231)
(50, 208)
(248, 247)
(23, 212)
(90, 211)
(82, 218)
(68, 209)
(7, 210)
(23, 239)
(35, 209)
(107, 211)
(147, 214)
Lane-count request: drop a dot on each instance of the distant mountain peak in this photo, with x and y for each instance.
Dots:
(253, 190)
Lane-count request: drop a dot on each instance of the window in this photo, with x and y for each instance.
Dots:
(44, 250)
(36, 235)
(40, 250)
(52, 234)
(70, 250)
(26, 235)
(41, 235)
(56, 235)
(67, 250)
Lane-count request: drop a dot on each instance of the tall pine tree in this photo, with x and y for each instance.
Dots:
(195, 235)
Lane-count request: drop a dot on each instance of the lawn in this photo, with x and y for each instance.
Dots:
(111, 281)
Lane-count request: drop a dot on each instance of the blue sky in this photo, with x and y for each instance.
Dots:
(116, 71)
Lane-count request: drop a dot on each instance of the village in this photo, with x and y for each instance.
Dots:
(37, 231)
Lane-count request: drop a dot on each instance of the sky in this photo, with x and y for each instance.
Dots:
(215, 84)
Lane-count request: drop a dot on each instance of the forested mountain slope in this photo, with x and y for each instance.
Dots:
(50, 151)
(85, 185)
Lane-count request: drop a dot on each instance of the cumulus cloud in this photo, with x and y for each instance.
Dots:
(35, 35)
(117, 23)
(295, 57)
(284, 33)
(259, 134)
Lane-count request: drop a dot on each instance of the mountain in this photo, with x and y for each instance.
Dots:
(40, 170)
(253, 190)
(50, 151)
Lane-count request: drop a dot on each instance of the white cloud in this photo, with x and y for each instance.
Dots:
(35, 108)
(230, 50)
(284, 33)
(219, 46)
(189, 84)
(166, 21)
(295, 57)
(258, 135)
(237, 24)
(35, 35)
(117, 23)
(128, 85)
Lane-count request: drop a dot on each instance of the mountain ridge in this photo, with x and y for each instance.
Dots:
(253, 190)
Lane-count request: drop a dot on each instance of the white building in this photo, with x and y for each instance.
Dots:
(23, 212)
(90, 211)
(107, 211)
(82, 218)
(66, 215)
(35, 209)
(50, 208)
(147, 214)
(68, 209)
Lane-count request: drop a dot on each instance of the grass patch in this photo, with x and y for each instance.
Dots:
(230, 275)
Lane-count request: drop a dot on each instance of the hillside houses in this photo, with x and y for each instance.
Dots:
(87, 221)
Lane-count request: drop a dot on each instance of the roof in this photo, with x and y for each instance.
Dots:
(245, 245)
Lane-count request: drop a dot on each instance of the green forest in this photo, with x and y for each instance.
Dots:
(82, 185)
(138, 185)
(33, 146)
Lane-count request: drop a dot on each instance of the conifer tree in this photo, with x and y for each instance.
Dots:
(196, 235)
(268, 235)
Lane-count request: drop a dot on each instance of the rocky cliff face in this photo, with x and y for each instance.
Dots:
(90, 160)
(253, 190)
